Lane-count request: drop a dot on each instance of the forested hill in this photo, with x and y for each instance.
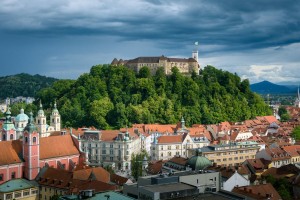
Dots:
(23, 85)
(115, 96)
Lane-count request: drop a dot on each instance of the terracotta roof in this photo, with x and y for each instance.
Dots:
(179, 160)
(155, 167)
(170, 139)
(293, 150)
(283, 171)
(59, 178)
(109, 135)
(270, 119)
(262, 191)
(57, 146)
(119, 180)
(97, 173)
(11, 152)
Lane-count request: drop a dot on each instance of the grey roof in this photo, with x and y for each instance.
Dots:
(168, 187)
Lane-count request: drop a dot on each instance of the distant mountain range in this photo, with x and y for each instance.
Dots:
(23, 85)
(266, 87)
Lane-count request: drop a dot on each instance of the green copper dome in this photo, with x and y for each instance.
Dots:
(22, 116)
(30, 127)
(199, 162)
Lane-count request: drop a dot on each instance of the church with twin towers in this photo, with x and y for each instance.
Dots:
(13, 129)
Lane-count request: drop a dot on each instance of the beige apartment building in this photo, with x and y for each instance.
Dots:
(19, 189)
(231, 154)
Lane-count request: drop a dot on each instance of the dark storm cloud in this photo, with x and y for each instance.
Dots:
(236, 24)
(45, 29)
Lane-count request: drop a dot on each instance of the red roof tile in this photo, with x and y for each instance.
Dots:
(11, 152)
(57, 146)
(170, 139)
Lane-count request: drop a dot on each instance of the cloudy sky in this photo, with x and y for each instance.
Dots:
(257, 39)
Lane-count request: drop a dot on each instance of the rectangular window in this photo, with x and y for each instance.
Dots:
(8, 196)
(26, 193)
(103, 151)
(111, 158)
(111, 152)
(18, 194)
(1, 177)
(13, 175)
(169, 147)
(111, 146)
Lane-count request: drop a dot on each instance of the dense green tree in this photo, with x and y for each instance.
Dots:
(284, 115)
(296, 133)
(23, 85)
(144, 72)
(115, 96)
(136, 163)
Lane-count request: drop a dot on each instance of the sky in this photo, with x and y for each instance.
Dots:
(258, 39)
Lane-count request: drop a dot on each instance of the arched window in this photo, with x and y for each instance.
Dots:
(4, 137)
(26, 139)
(34, 139)
(44, 122)
(53, 120)
(57, 120)
(11, 136)
(38, 121)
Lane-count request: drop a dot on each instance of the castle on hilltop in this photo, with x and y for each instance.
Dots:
(184, 65)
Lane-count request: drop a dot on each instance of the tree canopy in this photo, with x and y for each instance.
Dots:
(115, 96)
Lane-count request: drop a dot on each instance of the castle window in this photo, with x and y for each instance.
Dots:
(34, 140)
(11, 136)
(26, 139)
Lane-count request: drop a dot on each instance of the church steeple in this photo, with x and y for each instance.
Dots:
(41, 120)
(8, 128)
(31, 150)
(55, 118)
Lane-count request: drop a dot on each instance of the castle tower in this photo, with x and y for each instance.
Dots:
(55, 118)
(31, 150)
(297, 102)
(8, 129)
(41, 120)
(195, 52)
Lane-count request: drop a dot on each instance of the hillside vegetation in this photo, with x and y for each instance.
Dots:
(115, 96)
(23, 85)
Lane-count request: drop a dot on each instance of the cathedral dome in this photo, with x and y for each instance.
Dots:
(22, 116)
(198, 162)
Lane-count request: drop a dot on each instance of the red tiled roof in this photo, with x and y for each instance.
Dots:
(119, 180)
(109, 135)
(98, 173)
(179, 160)
(262, 191)
(57, 146)
(170, 139)
(10, 152)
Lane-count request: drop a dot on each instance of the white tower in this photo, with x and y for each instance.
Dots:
(195, 52)
(55, 118)
(297, 102)
(41, 120)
